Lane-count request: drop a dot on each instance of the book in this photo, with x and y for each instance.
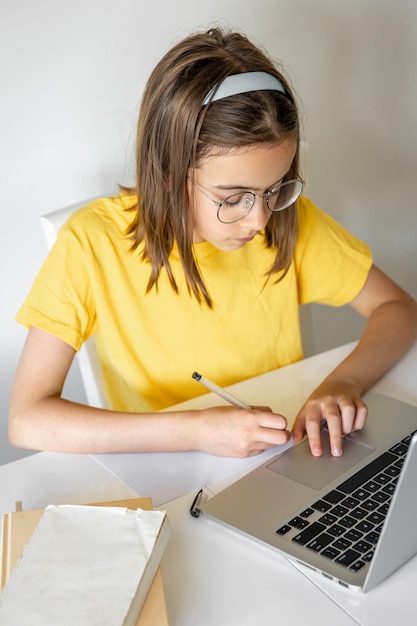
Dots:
(19, 526)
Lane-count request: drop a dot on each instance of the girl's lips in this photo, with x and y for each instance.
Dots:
(244, 239)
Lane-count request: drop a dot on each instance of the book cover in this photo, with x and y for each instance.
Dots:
(19, 526)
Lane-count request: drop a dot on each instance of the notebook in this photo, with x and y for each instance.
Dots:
(18, 527)
(352, 519)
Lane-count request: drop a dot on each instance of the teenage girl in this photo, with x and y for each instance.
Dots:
(202, 266)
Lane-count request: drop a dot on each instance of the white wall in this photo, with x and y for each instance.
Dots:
(71, 79)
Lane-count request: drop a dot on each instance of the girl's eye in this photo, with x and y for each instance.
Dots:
(238, 199)
(233, 200)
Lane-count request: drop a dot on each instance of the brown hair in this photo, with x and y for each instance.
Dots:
(175, 132)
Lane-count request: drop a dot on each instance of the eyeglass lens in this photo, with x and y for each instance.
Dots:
(238, 205)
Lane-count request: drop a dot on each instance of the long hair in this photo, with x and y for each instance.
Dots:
(175, 132)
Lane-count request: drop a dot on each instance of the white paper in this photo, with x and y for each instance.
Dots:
(82, 566)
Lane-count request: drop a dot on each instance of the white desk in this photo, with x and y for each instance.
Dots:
(50, 478)
(213, 576)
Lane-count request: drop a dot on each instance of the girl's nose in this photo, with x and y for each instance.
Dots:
(258, 216)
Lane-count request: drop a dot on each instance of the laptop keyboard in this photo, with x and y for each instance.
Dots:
(345, 524)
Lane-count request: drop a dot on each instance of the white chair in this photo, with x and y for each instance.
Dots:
(87, 356)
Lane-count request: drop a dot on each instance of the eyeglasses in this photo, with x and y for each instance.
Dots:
(235, 207)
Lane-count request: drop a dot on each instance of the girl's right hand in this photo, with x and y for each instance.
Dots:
(230, 431)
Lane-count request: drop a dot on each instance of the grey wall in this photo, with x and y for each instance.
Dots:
(71, 79)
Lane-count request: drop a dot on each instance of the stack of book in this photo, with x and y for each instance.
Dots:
(84, 565)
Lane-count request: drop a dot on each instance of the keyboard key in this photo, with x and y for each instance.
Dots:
(330, 552)
(407, 440)
(383, 509)
(372, 537)
(347, 558)
(342, 543)
(298, 522)
(339, 510)
(378, 529)
(358, 513)
(376, 518)
(380, 496)
(327, 519)
(353, 535)
(368, 556)
(366, 473)
(389, 489)
(309, 533)
(369, 505)
(321, 506)
(371, 486)
(364, 526)
(320, 542)
(362, 546)
(350, 502)
(383, 478)
(357, 566)
(393, 470)
(283, 530)
(347, 521)
(334, 496)
(399, 448)
(361, 494)
(336, 530)
(307, 512)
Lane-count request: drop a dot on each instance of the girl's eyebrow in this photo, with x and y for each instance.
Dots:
(244, 188)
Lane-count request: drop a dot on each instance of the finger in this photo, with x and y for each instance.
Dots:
(262, 408)
(361, 415)
(299, 429)
(334, 425)
(256, 448)
(314, 440)
(352, 417)
(340, 418)
(347, 411)
(270, 437)
(312, 424)
(267, 419)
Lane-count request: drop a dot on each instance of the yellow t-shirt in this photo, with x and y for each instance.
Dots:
(149, 344)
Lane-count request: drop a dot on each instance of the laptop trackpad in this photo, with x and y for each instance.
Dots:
(299, 464)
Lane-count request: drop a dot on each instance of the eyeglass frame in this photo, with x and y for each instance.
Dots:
(265, 197)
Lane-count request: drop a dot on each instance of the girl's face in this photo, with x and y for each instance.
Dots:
(257, 169)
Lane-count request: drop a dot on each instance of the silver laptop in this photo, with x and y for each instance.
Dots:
(353, 519)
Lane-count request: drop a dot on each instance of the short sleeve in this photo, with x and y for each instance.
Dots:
(332, 264)
(59, 300)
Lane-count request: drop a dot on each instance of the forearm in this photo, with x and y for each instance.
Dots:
(58, 425)
(390, 331)
(61, 426)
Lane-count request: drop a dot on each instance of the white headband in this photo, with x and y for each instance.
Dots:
(243, 83)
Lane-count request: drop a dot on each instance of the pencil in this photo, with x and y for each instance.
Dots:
(220, 391)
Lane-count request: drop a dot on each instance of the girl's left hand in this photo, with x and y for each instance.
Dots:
(340, 406)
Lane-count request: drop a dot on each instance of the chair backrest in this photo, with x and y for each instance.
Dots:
(88, 360)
